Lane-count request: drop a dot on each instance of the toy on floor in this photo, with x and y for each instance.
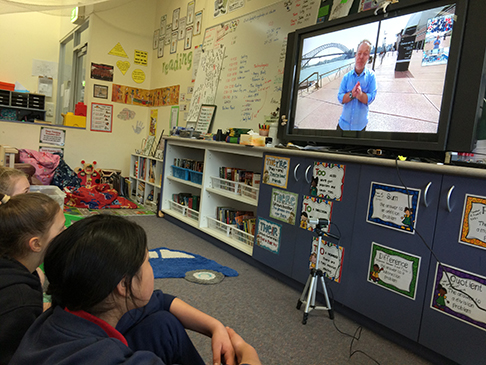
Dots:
(88, 174)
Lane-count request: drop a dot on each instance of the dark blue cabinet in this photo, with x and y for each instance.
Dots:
(450, 335)
(384, 305)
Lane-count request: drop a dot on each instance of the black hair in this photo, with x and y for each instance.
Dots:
(85, 263)
(22, 217)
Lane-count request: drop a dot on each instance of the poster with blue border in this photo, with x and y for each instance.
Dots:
(393, 207)
(460, 294)
(268, 235)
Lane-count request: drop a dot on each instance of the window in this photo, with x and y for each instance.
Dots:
(72, 71)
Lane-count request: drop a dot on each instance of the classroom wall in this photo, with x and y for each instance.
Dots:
(126, 24)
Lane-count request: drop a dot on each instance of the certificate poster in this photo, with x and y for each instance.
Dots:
(331, 257)
(101, 117)
(268, 235)
(313, 208)
(458, 293)
(327, 180)
(393, 207)
(284, 206)
(473, 226)
(53, 136)
(394, 270)
(276, 171)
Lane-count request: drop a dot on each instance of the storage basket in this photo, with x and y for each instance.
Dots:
(180, 172)
(195, 177)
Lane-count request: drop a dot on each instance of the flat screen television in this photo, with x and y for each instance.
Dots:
(408, 83)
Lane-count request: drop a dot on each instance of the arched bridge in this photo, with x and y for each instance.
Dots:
(306, 58)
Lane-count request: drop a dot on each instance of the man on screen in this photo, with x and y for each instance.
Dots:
(357, 91)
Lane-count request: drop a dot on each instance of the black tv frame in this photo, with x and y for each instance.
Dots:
(463, 91)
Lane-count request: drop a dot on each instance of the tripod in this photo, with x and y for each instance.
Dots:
(311, 284)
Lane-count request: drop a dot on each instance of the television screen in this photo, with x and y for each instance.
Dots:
(378, 79)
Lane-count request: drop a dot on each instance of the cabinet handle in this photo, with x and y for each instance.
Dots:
(306, 171)
(295, 172)
(449, 198)
(426, 192)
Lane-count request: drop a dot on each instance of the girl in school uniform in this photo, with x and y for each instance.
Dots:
(28, 222)
(105, 310)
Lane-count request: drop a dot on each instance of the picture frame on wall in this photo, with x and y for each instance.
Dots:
(100, 91)
(205, 118)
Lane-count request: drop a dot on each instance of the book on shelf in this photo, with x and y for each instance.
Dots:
(152, 171)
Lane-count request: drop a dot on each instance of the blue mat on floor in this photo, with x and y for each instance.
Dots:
(169, 263)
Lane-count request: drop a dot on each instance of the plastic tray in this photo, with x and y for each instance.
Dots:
(195, 177)
(180, 172)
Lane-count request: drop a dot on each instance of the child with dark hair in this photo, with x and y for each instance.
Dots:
(105, 309)
(28, 222)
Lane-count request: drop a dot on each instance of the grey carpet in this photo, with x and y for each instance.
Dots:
(262, 310)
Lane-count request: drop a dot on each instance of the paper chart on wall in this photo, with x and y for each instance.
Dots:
(206, 84)
(253, 67)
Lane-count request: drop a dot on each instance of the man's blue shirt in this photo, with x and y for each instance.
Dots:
(355, 114)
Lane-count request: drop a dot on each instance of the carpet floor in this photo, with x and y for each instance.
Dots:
(262, 309)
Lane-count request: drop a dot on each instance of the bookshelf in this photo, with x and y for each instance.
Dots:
(145, 180)
(215, 192)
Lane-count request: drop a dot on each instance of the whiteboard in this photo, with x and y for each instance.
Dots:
(250, 84)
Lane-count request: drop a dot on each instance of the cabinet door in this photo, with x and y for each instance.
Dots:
(341, 225)
(392, 296)
(279, 258)
(447, 328)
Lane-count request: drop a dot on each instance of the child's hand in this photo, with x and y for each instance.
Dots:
(223, 352)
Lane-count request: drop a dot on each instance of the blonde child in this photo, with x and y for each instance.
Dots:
(13, 182)
(28, 222)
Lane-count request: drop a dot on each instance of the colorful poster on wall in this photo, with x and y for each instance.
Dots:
(394, 270)
(268, 235)
(460, 294)
(160, 48)
(175, 18)
(188, 39)
(153, 122)
(151, 98)
(276, 171)
(197, 23)
(284, 206)
(101, 72)
(327, 180)
(155, 39)
(331, 257)
(101, 117)
(163, 25)
(181, 33)
(314, 208)
(473, 226)
(393, 207)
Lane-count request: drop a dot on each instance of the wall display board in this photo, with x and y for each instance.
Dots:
(331, 259)
(393, 207)
(394, 270)
(251, 79)
(460, 294)
(473, 226)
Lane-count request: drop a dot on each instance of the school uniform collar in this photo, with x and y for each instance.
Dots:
(109, 329)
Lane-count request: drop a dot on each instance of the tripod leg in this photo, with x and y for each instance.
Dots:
(326, 297)
(310, 295)
(304, 292)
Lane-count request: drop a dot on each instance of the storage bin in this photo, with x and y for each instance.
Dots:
(180, 172)
(53, 191)
(195, 177)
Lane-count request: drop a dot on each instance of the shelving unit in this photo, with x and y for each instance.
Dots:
(21, 106)
(214, 191)
(145, 178)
